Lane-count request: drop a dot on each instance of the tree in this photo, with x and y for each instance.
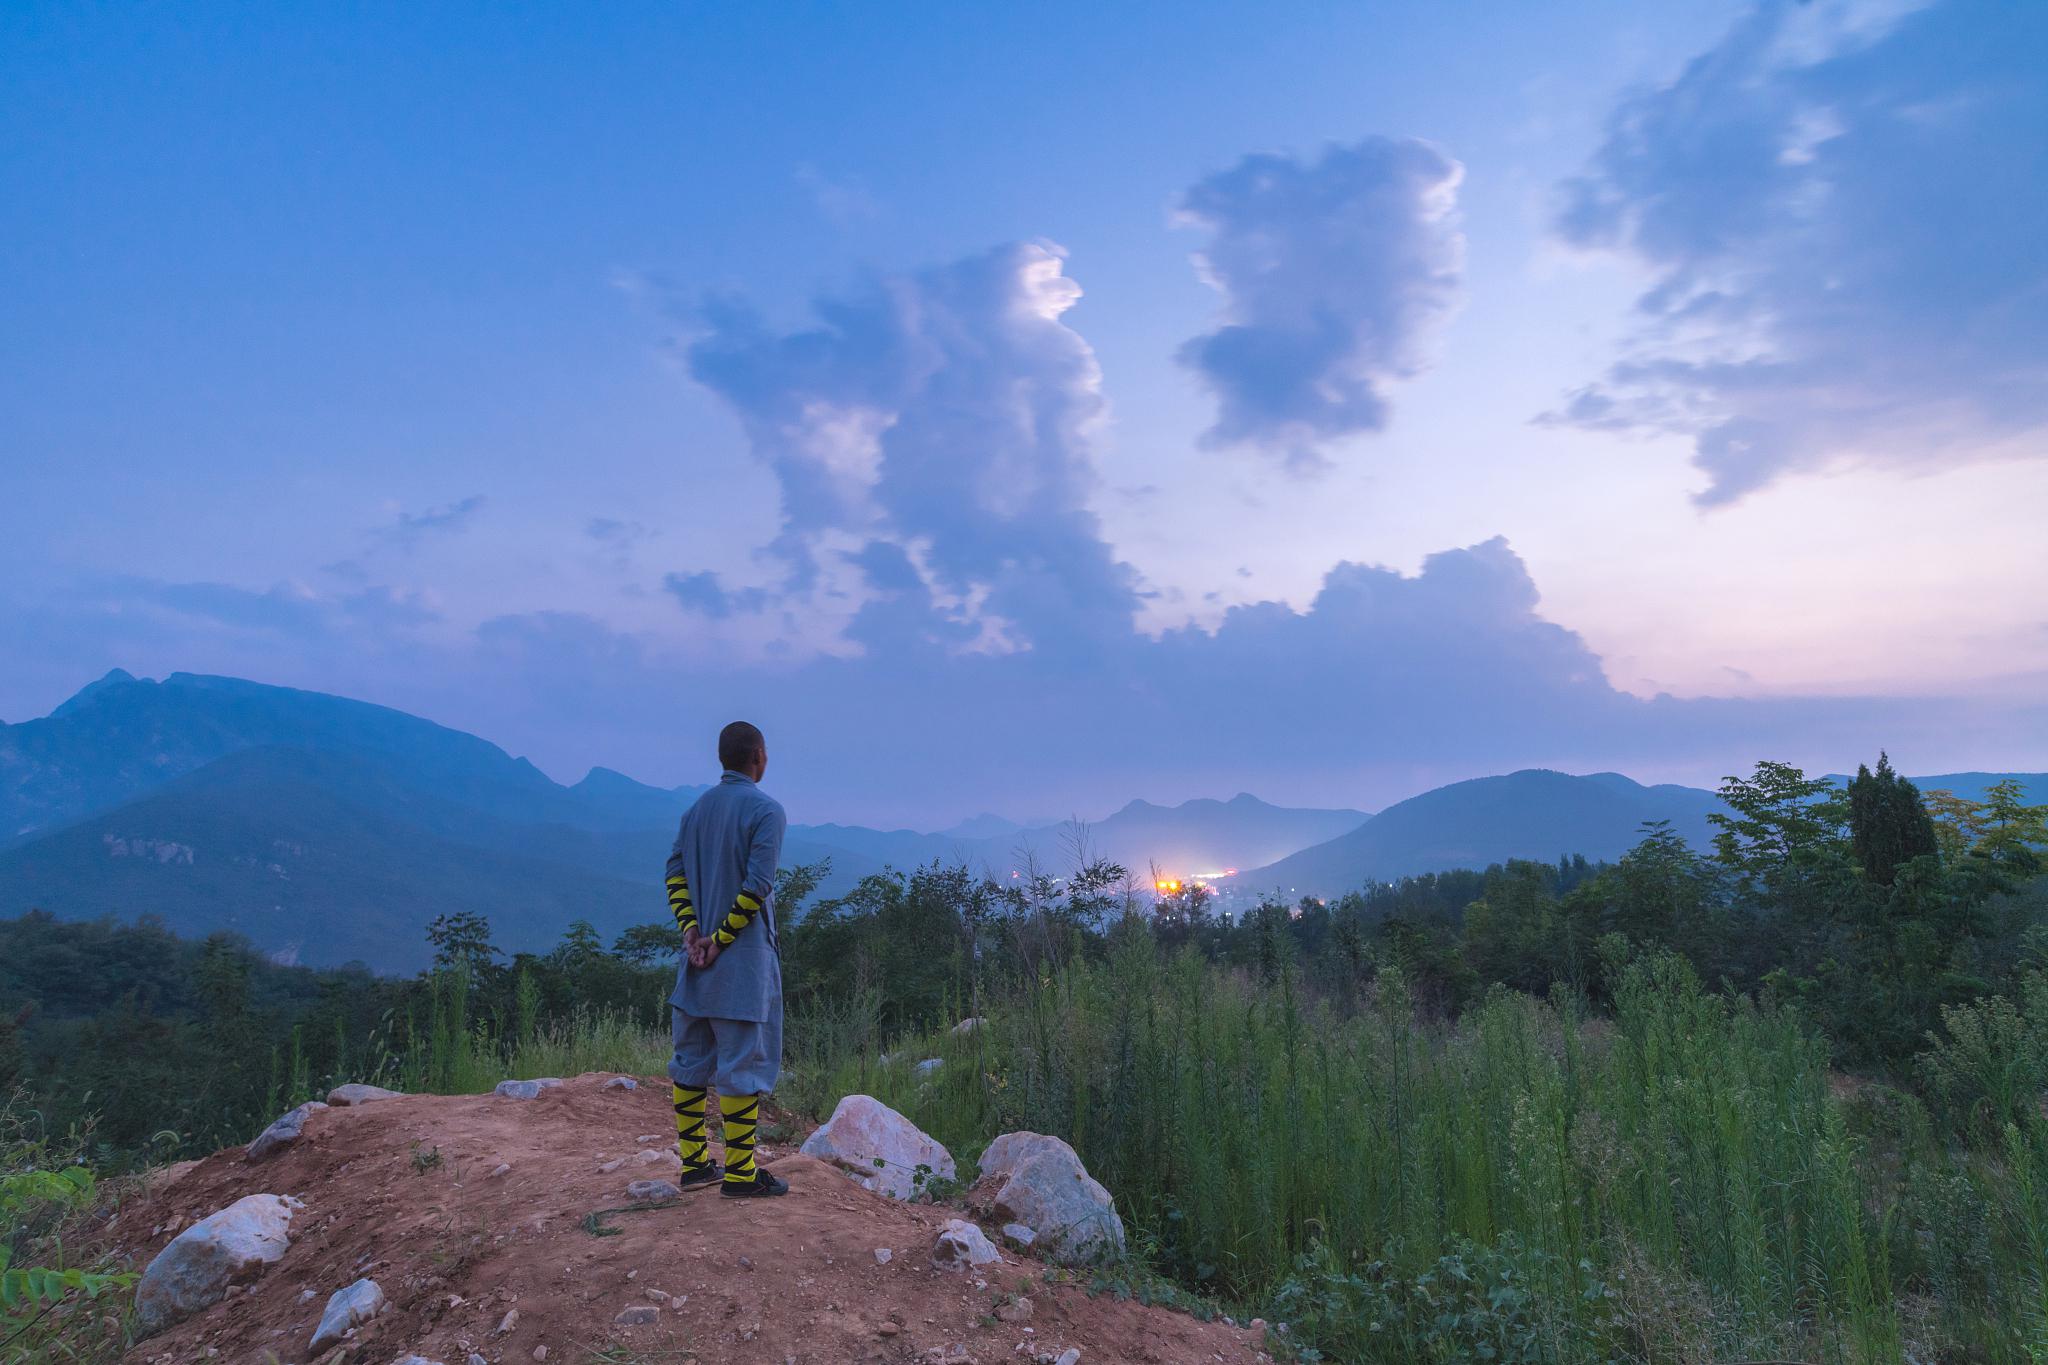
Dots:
(644, 945)
(1888, 823)
(1783, 839)
(464, 937)
(2014, 832)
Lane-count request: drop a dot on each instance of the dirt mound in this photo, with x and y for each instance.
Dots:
(510, 1264)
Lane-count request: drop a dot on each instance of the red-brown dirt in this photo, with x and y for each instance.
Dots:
(402, 1191)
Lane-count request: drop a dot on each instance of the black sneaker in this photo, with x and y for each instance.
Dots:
(701, 1175)
(762, 1186)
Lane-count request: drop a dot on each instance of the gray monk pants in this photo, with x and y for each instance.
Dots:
(738, 1056)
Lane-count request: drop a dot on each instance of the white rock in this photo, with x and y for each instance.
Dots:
(1039, 1181)
(355, 1092)
(639, 1315)
(283, 1133)
(224, 1248)
(929, 1065)
(414, 1360)
(660, 1156)
(1019, 1236)
(621, 1083)
(507, 1323)
(525, 1090)
(863, 1132)
(475, 1359)
(501, 1169)
(1070, 1356)
(883, 1255)
(348, 1309)
(961, 1244)
(970, 1025)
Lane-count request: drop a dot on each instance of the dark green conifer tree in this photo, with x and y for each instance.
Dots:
(1888, 822)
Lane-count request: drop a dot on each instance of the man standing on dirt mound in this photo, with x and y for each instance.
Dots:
(727, 1005)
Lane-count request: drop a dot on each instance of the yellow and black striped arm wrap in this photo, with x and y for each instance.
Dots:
(744, 908)
(679, 904)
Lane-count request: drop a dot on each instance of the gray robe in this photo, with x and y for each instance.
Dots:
(729, 842)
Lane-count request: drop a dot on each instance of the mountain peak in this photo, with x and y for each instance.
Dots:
(85, 695)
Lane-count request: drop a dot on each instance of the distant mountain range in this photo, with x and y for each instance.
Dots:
(1535, 814)
(330, 830)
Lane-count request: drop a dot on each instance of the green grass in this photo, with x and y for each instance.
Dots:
(1678, 1182)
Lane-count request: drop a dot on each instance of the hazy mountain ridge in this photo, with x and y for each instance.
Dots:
(328, 829)
(1536, 814)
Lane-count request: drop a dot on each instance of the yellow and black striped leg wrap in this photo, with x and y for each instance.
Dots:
(690, 1143)
(741, 1113)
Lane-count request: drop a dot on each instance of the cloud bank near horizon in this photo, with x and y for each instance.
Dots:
(1385, 684)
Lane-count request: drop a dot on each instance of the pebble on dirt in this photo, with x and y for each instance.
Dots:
(621, 1083)
(961, 1244)
(651, 1191)
(348, 1309)
(355, 1092)
(525, 1090)
(283, 1133)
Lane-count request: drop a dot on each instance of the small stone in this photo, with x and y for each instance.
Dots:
(1070, 1356)
(308, 1295)
(507, 1323)
(929, 1065)
(501, 1169)
(357, 1093)
(541, 1353)
(1017, 1310)
(1257, 1324)
(475, 1359)
(414, 1360)
(746, 1263)
(882, 1255)
(961, 1244)
(348, 1309)
(651, 1191)
(639, 1315)
(621, 1083)
(657, 1296)
(887, 1329)
(611, 1166)
(666, 1156)
(634, 1273)
(283, 1133)
(525, 1090)
(1019, 1236)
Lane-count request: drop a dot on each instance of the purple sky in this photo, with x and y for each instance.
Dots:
(1025, 410)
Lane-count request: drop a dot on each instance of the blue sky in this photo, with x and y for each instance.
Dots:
(1029, 407)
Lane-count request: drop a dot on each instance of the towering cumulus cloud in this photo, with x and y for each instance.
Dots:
(1845, 208)
(931, 438)
(1333, 274)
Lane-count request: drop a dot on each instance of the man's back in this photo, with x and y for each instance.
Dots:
(730, 840)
